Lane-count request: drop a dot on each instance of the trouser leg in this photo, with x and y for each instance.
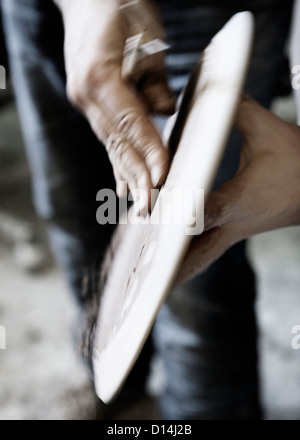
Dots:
(206, 332)
(68, 164)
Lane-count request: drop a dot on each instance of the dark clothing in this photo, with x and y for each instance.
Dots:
(206, 332)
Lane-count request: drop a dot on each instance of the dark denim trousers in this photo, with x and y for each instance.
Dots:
(206, 332)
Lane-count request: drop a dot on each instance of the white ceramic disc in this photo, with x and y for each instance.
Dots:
(144, 258)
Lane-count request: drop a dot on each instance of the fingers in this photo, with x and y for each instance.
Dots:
(222, 211)
(120, 121)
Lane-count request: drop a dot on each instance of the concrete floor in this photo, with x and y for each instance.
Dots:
(40, 375)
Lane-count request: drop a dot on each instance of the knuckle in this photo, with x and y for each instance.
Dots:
(126, 159)
(133, 166)
(74, 91)
(115, 145)
(93, 77)
(155, 154)
(127, 121)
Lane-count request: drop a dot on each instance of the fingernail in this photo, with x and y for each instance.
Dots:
(156, 175)
(121, 189)
(137, 210)
(140, 206)
(165, 104)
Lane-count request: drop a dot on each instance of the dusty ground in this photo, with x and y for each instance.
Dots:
(40, 375)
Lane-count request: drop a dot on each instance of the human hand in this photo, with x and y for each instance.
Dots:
(118, 108)
(263, 195)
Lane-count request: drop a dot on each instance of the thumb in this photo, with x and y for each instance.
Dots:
(251, 117)
(204, 250)
(158, 96)
(153, 84)
(222, 204)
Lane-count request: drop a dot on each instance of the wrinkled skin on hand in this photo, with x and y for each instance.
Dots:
(263, 195)
(117, 108)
